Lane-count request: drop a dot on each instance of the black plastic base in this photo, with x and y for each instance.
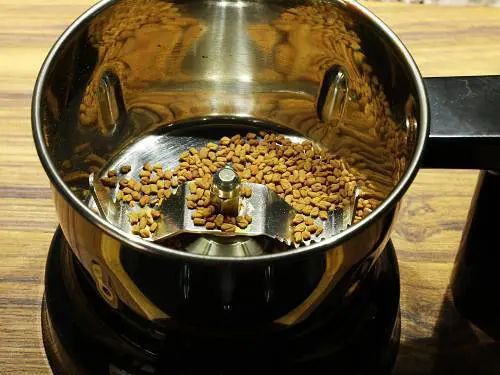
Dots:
(359, 339)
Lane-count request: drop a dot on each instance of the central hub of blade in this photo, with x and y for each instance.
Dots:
(226, 191)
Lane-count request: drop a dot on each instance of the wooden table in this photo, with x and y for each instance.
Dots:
(435, 340)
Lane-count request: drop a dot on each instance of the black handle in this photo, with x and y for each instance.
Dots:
(465, 123)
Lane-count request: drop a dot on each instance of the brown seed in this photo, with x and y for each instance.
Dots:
(298, 219)
(315, 212)
(248, 218)
(199, 221)
(124, 169)
(219, 220)
(210, 225)
(297, 237)
(153, 188)
(306, 236)
(212, 146)
(153, 227)
(307, 210)
(300, 227)
(144, 200)
(226, 227)
(312, 228)
(145, 233)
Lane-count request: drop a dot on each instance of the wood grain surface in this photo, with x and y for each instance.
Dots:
(443, 41)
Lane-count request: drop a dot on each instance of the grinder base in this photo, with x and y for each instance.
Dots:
(77, 341)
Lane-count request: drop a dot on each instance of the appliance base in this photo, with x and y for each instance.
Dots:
(77, 341)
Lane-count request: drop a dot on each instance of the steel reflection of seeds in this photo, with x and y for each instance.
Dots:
(310, 179)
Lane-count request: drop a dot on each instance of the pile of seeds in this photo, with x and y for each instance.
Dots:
(310, 179)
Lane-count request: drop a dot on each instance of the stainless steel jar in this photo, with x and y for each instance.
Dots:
(329, 71)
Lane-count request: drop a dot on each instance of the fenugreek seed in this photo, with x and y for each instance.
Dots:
(155, 214)
(144, 173)
(136, 195)
(197, 214)
(225, 141)
(298, 219)
(143, 222)
(154, 179)
(315, 212)
(146, 189)
(239, 167)
(212, 146)
(226, 227)
(300, 227)
(296, 194)
(144, 200)
(124, 169)
(323, 215)
(145, 233)
(127, 190)
(153, 188)
(307, 210)
(319, 230)
(112, 173)
(137, 186)
(133, 217)
(285, 184)
(123, 182)
(248, 218)
(153, 201)
(242, 223)
(160, 184)
(251, 135)
(199, 221)
(219, 220)
(191, 205)
(153, 227)
(306, 236)
(297, 237)
(174, 183)
(127, 198)
(148, 167)
(119, 195)
(312, 228)
(168, 194)
(210, 225)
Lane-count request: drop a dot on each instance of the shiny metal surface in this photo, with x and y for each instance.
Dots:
(225, 191)
(264, 64)
(271, 215)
